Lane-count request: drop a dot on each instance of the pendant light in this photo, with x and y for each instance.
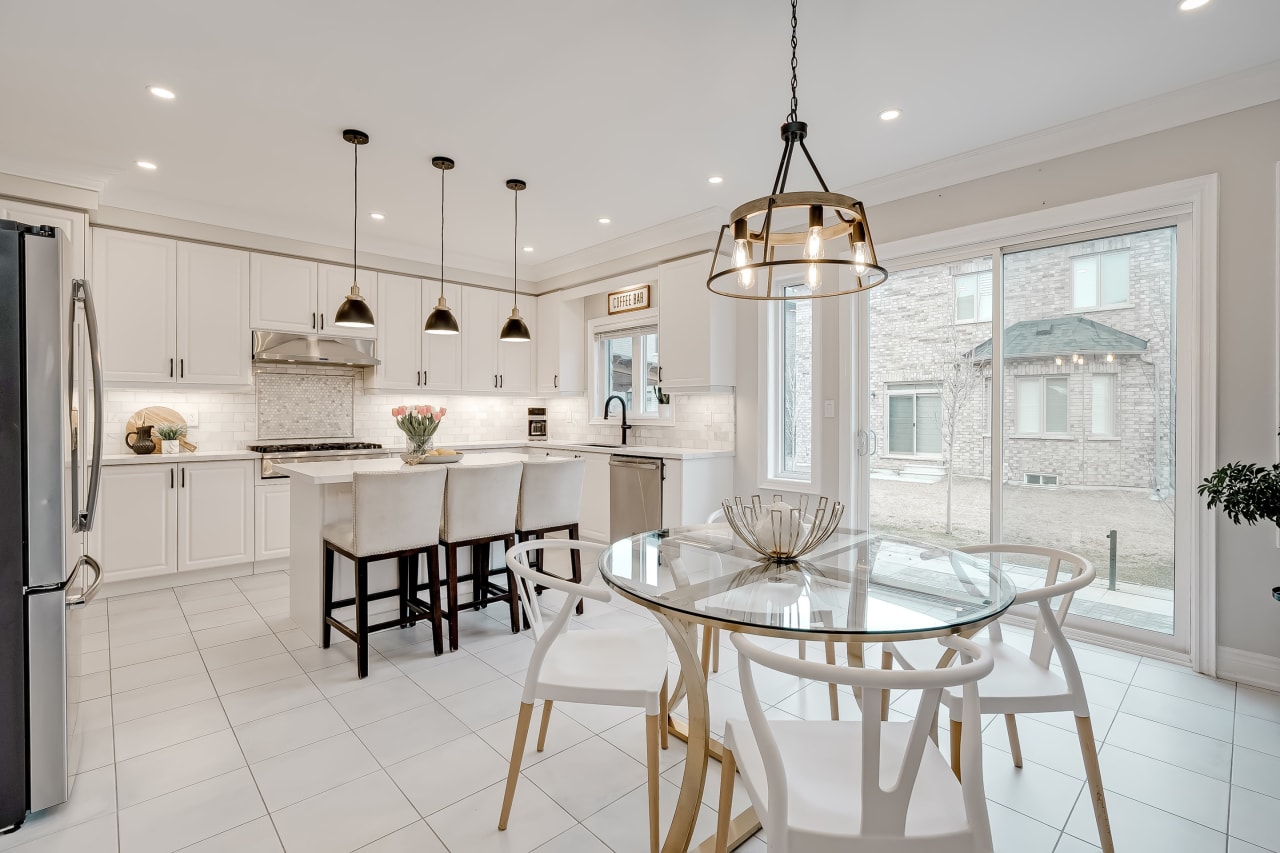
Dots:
(354, 311)
(515, 330)
(797, 249)
(441, 320)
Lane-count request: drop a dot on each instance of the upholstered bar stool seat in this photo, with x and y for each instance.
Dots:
(550, 502)
(480, 509)
(395, 515)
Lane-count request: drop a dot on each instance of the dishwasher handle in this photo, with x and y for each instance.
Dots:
(647, 465)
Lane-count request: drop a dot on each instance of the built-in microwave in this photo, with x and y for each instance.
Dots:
(537, 423)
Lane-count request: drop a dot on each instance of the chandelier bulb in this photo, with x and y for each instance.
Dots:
(813, 239)
(861, 258)
(813, 277)
(742, 257)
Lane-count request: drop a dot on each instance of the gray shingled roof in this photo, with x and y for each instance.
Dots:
(1060, 336)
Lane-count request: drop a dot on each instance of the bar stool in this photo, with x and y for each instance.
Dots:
(550, 501)
(480, 509)
(394, 515)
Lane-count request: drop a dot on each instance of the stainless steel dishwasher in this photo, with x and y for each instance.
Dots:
(635, 495)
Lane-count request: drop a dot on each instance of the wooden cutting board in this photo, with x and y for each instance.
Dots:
(155, 416)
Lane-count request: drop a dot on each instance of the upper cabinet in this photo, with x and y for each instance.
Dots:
(282, 294)
(412, 359)
(441, 354)
(335, 284)
(696, 330)
(171, 312)
(490, 364)
(561, 345)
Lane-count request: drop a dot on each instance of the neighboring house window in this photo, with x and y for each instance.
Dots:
(973, 297)
(1104, 404)
(915, 420)
(795, 387)
(626, 363)
(1042, 405)
(1100, 281)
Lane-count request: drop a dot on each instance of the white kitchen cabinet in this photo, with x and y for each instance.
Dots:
(561, 345)
(282, 294)
(212, 335)
(441, 354)
(215, 514)
(593, 521)
(135, 532)
(411, 359)
(136, 300)
(271, 522)
(696, 330)
(334, 286)
(516, 359)
(490, 364)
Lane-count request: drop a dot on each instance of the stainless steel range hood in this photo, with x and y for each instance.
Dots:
(290, 348)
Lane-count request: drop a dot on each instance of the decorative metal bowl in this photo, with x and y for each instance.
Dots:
(783, 534)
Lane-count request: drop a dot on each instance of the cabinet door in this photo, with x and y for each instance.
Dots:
(282, 294)
(516, 359)
(594, 518)
(399, 328)
(335, 284)
(213, 315)
(271, 522)
(135, 533)
(695, 328)
(215, 514)
(572, 339)
(548, 343)
(134, 293)
(480, 325)
(441, 354)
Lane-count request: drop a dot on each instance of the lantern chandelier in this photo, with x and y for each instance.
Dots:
(811, 253)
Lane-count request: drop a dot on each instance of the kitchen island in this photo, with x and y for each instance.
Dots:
(320, 494)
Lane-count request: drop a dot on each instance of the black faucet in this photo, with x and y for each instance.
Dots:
(625, 426)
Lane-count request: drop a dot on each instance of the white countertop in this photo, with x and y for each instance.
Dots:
(340, 470)
(170, 458)
(655, 451)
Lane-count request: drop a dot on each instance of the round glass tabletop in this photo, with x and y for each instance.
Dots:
(855, 585)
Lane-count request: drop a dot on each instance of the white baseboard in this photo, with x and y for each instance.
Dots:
(172, 579)
(1249, 668)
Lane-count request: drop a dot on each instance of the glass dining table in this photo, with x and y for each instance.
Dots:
(858, 587)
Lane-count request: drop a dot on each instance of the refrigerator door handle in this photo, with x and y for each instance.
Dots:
(88, 595)
(81, 294)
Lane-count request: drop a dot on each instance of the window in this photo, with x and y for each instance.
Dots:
(973, 297)
(1042, 405)
(1104, 396)
(915, 420)
(1100, 281)
(795, 388)
(1040, 479)
(626, 363)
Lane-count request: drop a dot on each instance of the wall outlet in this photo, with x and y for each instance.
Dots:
(828, 408)
(191, 415)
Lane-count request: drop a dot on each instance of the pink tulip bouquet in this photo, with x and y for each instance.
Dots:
(418, 423)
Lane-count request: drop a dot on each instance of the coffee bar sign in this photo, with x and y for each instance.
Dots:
(629, 299)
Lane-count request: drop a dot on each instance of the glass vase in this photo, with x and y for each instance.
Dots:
(418, 447)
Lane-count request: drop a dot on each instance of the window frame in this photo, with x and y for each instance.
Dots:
(914, 390)
(771, 324)
(1113, 413)
(640, 324)
(976, 275)
(1096, 257)
(1043, 380)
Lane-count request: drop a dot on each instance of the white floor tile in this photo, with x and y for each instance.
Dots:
(414, 838)
(1258, 734)
(473, 766)
(294, 639)
(1188, 685)
(472, 824)
(201, 591)
(629, 736)
(166, 770)
(1069, 844)
(1191, 751)
(1255, 702)
(345, 818)
(344, 678)
(258, 702)
(379, 701)
(147, 628)
(453, 676)
(230, 633)
(191, 814)
(279, 733)
(1256, 771)
(624, 824)
(152, 649)
(585, 778)
(220, 618)
(600, 718)
(97, 749)
(562, 733)
(1254, 818)
(157, 731)
(256, 836)
(93, 795)
(1235, 845)
(577, 840)
(210, 603)
(1033, 790)
(293, 776)
(162, 697)
(509, 657)
(1014, 832)
(242, 651)
(266, 580)
(93, 836)
(96, 685)
(813, 702)
(1173, 789)
(125, 678)
(485, 705)
(1137, 826)
(254, 673)
(408, 733)
(311, 657)
(1175, 711)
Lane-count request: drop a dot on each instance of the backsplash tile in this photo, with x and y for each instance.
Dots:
(311, 404)
(227, 420)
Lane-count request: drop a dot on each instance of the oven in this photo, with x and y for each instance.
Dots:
(285, 454)
(537, 423)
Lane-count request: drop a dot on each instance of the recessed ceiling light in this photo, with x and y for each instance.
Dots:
(1188, 5)
(147, 164)
(377, 216)
(528, 248)
(162, 93)
(604, 220)
(715, 179)
(890, 114)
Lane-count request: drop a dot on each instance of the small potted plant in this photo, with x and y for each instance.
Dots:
(664, 402)
(419, 425)
(170, 437)
(1246, 492)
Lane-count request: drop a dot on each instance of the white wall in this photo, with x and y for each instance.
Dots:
(1243, 148)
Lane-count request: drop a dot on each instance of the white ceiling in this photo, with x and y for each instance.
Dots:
(614, 108)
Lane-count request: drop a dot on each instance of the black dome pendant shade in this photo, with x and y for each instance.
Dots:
(441, 320)
(354, 311)
(515, 329)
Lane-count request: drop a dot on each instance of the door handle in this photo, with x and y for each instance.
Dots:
(502, 380)
(170, 368)
(171, 478)
(322, 322)
(184, 478)
(495, 380)
(555, 381)
(80, 292)
(875, 442)
(182, 368)
(313, 319)
(85, 597)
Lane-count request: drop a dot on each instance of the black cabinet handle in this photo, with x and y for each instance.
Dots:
(170, 368)
(171, 478)
(495, 380)
(313, 319)
(322, 322)
(501, 380)
(184, 478)
(555, 381)
(182, 368)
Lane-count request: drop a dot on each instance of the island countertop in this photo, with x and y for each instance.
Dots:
(341, 470)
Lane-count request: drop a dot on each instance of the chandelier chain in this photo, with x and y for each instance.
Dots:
(795, 101)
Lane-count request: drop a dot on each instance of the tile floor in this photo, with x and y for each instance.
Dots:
(212, 724)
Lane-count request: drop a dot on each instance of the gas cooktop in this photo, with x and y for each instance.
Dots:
(314, 447)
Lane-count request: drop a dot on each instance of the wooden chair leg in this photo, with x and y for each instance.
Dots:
(664, 705)
(715, 649)
(1015, 746)
(575, 562)
(728, 767)
(957, 729)
(433, 593)
(653, 728)
(804, 650)
(886, 662)
(517, 754)
(546, 720)
(325, 629)
(1093, 772)
(833, 697)
(362, 617)
(451, 573)
(708, 634)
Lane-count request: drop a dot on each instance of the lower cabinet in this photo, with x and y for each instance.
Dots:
(593, 522)
(156, 518)
(271, 525)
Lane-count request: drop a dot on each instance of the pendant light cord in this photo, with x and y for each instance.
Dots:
(355, 208)
(795, 101)
(515, 241)
(442, 171)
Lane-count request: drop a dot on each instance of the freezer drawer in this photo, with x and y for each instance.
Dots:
(635, 495)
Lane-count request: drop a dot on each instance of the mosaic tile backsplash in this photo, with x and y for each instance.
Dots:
(306, 405)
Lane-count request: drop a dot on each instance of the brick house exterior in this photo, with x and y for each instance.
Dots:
(916, 335)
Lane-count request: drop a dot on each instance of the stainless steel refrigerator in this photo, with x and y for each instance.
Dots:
(50, 458)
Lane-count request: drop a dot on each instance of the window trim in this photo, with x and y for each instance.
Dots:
(916, 389)
(1114, 413)
(769, 322)
(595, 397)
(1044, 402)
(977, 298)
(1099, 306)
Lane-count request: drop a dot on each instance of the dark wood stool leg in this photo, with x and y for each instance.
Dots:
(325, 630)
(405, 587)
(362, 617)
(513, 598)
(480, 574)
(451, 572)
(575, 560)
(433, 588)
